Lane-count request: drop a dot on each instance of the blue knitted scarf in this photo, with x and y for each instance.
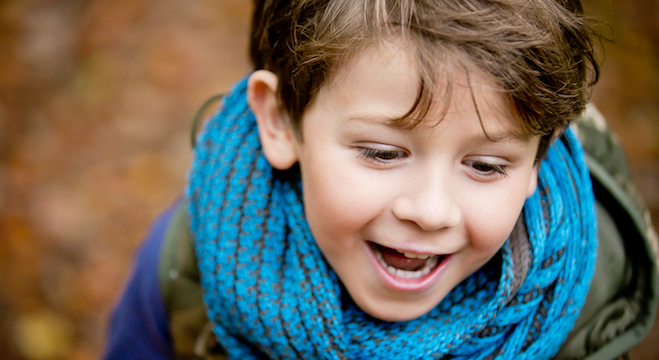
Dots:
(270, 293)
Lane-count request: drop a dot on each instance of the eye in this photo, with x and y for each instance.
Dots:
(381, 156)
(487, 170)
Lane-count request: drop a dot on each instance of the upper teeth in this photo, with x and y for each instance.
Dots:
(412, 255)
(408, 274)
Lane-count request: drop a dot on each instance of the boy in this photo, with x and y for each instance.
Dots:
(383, 186)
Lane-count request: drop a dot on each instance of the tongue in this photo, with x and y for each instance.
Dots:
(399, 261)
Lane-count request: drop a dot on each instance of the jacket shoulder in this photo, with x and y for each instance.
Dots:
(621, 304)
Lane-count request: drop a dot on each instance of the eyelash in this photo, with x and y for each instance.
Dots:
(381, 156)
(490, 169)
(386, 156)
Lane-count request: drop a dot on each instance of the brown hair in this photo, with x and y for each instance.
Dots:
(541, 52)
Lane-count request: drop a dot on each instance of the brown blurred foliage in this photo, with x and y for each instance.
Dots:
(96, 101)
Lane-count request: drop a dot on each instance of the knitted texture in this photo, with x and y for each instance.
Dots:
(271, 294)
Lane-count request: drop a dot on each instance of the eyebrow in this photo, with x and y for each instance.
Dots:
(498, 137)
(484, 137)
(390, 122)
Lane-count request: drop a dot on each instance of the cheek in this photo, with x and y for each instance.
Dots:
(338, 198)
(492, 220)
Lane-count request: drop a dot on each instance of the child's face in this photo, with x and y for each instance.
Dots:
(380, 199)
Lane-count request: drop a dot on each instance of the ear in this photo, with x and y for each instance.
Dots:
(277, 138)
(533, 181)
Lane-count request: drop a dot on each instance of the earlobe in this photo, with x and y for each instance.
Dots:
(533, 181)
(277, 138)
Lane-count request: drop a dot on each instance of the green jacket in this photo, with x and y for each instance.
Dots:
(620, 306)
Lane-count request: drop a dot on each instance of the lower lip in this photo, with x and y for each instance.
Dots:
(405, 284)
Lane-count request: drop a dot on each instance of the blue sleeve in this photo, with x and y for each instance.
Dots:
(138, 326)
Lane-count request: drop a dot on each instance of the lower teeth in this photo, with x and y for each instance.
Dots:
(407, 274)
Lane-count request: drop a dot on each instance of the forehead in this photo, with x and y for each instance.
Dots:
(383, 82)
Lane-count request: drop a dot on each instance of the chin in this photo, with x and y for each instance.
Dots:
(394, 311)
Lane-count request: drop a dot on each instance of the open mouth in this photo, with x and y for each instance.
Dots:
(405, 264)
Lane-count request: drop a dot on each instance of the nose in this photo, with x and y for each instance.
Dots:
(429, 202)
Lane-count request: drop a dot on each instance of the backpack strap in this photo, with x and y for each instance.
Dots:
(190, 329)
(200, 115)
(178, 274)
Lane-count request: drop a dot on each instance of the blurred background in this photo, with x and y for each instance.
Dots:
(96, 102)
